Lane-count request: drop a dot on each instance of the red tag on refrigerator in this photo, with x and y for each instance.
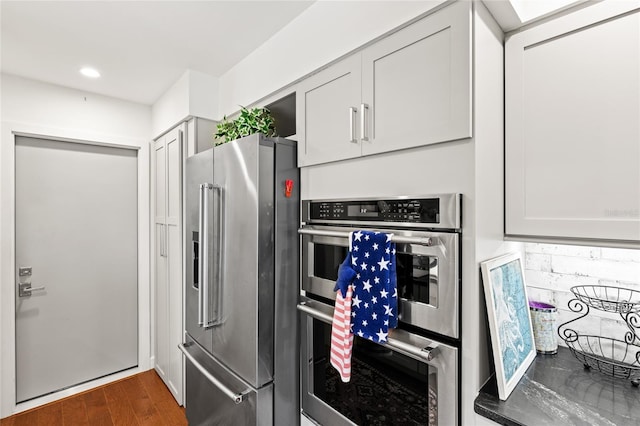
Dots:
(288, 187)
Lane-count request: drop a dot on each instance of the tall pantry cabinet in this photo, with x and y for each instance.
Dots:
(166, 189)
(168, 153)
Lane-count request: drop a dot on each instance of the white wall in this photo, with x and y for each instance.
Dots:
(45, 105)
(193, 94)
(171, 107)
(38, 108)
(551, 270)
(322, 33)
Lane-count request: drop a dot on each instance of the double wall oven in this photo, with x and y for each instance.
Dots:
(414, 378)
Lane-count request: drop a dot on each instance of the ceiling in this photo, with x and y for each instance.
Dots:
(140, 47)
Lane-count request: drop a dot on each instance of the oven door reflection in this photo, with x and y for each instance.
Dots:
(428, 275)
(387, 387)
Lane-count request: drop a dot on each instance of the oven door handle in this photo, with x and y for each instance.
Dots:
(423, 241)
(428, 353)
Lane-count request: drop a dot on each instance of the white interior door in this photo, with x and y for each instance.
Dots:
(76, 229)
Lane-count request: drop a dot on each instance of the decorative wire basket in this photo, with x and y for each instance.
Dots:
(613, 357)
(616, 358)
(608, 299)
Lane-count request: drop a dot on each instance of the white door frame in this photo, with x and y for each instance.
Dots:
(9, 130)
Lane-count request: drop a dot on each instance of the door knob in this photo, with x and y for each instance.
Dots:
(25, 289)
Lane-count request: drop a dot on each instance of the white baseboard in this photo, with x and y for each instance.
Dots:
(74, 390)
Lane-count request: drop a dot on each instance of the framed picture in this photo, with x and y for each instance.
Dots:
(509, 320)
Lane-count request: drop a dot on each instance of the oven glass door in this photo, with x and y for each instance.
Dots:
(428, 283)
(387, 387)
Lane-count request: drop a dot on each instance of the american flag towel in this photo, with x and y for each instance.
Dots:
(374, 304)
(341, 337)
(366, 298)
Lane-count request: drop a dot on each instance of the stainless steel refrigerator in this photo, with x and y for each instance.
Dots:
(241, 342)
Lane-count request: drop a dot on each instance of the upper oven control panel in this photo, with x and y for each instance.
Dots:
(419, 210)
(437, 211)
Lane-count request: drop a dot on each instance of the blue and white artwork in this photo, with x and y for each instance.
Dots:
(512, 316)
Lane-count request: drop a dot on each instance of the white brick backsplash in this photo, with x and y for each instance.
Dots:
(589, 325)
(613, 328)
(551, 271)
(621, 255)
(541, 295)
(561, 282)
(599, 268)
(538, 262)
(563, 298)
(533, 247)
(623, 284)
(540, 279)
(562, 302)
(563, 250)
(608, 283)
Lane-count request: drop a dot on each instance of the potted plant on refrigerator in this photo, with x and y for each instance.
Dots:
(250, 121)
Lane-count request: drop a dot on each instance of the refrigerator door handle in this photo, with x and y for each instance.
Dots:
(203, 251)
(235, 397)
(210, 322)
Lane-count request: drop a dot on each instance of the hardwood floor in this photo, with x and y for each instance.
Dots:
(142, 399)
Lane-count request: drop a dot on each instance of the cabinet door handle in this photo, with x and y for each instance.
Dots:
(352, 124)
(364, 110)
(161, 237)
(166, 237)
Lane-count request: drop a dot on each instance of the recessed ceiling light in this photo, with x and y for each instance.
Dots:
(89, 72)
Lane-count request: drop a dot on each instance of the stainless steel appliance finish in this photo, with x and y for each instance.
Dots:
(241, 283)
(199, 169)
(439, 211)
(421, 357)
(223, 398)
(406, 358)
(427, 261)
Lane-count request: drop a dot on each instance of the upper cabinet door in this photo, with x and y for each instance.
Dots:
(572, 126)
(417, 83)
(173, 148)
(326, 110)
(159, 159)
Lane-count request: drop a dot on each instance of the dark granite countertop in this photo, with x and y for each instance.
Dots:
(556, 390)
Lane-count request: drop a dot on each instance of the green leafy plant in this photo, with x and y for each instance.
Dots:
(250, 121)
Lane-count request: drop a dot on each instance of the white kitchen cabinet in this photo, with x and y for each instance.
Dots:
(199, 135)
(572, 126)
(167, 257)
(326, 109)
(409, 89)
(417, 83)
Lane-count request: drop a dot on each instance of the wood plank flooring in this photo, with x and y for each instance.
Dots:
(142, 399)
